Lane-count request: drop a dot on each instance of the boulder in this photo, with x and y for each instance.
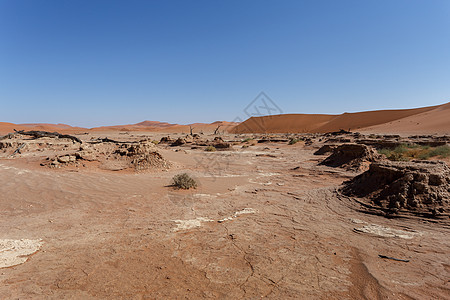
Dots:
(67, 159)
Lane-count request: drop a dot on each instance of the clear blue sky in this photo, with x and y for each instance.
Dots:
(93, 62)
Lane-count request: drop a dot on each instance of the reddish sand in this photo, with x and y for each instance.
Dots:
(433, 119)
(283, 123)
(265, 222)
(426, 120)
(148, 126)
(436, 121)
(9, 127)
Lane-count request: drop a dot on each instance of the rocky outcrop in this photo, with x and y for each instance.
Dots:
(111, 156)
(380, 143)
(418, 186)
(325, 149)
(221, 145)
(178, 142)
(353, 157)
(141, 156)
(166, 140)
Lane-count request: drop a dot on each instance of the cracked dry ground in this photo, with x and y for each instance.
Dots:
(118, 236)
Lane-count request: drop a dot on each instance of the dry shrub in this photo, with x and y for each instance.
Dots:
(210, 149)
(184, 181)
(406, 152)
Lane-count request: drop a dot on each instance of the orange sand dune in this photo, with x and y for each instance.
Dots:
(283, 123)
(34, 125)
(202, 127)
(154, 126)
(436, 121)
(369, 118)
(63, 128)
(50, 127)
(142, 126)
(426, 120)
(298, 123)
(9, 127)
(149, 126)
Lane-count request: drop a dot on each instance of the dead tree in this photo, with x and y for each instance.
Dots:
(8, 136)
(18, 149)
(108, 140)
(39, 134)
(103, 140)
(191, 129)
(216, 131)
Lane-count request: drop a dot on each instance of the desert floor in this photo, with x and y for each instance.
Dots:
(264, 222)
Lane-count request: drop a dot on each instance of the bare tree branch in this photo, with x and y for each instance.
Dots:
(38, 134)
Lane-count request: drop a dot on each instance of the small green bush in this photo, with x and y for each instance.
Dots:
(294, 141)
(246, 140)
(210, 149)
(441, 151)
(407, 152)
(385, 152)
(184, 181)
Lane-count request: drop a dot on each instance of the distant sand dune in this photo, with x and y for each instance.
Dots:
(426, 120)
(149, 126)
(434, 119)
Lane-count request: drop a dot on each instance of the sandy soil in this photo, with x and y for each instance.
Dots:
(265, 222)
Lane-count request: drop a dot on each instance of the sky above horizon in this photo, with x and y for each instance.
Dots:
(102, 62)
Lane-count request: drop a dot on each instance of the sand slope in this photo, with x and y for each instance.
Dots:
(283, 123)
(297, 123)
(436, 121)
